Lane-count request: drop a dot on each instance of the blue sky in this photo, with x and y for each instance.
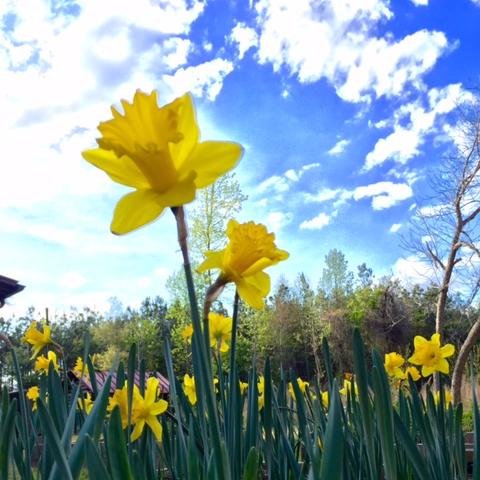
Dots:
(344, 108)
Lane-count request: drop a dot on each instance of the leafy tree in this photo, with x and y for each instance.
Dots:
(337, 280)
(365, 275)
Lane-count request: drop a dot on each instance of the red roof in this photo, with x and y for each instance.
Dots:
(100, 378)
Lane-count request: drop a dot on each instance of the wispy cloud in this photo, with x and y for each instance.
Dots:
(339, 147)
(383, 194)
(316, 223)
(412, 123)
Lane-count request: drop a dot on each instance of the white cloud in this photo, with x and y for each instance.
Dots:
(395, 228)
(203, 80)
(316, 223)
(339, 147)
(275, 182)
(275, 221)
(244, 37)
(411, 270)
(358, 64)
(418, 3)
(411, 124)
(281, 184)
(384, 194)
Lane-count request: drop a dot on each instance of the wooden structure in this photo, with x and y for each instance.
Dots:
(8, 287)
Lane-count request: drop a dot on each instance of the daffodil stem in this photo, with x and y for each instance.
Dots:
(203, 371)
(233, 386)
(213, 291)
(182, 233)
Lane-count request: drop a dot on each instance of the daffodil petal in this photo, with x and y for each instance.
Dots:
(213, 260)
(252, 290)
(121, 170)
(187, 126)
(259, 265)
(261, 281)
(426, 371)
(447, 350)
(211, 160)
(435, 339)
(151, 390)
(159, 407)
(135, 210)
(137, 431)
(419, 341)
(443, 366)
(155, 427)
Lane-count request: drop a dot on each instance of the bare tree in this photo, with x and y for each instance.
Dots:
(447, 232)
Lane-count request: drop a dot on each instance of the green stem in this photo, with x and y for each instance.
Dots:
(202, 371)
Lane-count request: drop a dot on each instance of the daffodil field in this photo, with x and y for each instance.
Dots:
(391, 418)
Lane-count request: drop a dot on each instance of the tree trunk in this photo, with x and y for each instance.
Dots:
(467, 346)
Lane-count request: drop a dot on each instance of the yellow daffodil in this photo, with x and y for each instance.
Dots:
(86, 403)
(393, 363)
(413, 372)
(347, 387)
(157, 152)
(189, 388)
(249, 251)
(42, 362)
(325, 399)
(301, 384)
(447, 394)
(187, 333)
(36, 338)
(431, 355)
(261, 392)
(146, 409)
(243, 387)
(78, 368)
(120, 399)
(33, 393)
(220, 330)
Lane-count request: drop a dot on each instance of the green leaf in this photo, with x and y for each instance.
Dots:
(53, 440)
(476, 435)
(96, 466)
(116, 448)
(384, 416)
(92, 426)
(252, 465)
(333, 442)
(6, 438)
(405, 440)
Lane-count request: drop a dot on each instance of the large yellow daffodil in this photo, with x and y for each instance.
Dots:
(250, 250)
(146, 409)
(157, 152)
(220, 330)
(393, 363)
(431, 355)
(36, 338)
(42, 362)
(189, 388)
